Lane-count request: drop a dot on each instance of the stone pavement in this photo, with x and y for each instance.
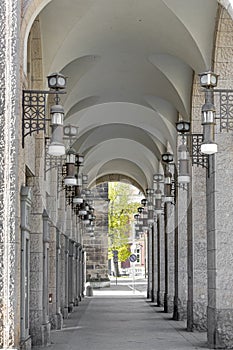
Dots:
(121, 318)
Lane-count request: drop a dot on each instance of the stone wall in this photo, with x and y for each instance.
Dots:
(9, 190)
(97, 246)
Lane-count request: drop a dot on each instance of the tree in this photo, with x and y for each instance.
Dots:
(120, 218)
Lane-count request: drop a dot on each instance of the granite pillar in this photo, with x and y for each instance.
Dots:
(25, 338)
(169, 222)
(180, 292)
(162, 258)
(9, 184)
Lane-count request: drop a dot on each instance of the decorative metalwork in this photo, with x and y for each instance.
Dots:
(34, 111)
(60, 177)
(225, 114)
(174, 189)
(52, 162)
(198, 158)
(70, 193)
(69, 190)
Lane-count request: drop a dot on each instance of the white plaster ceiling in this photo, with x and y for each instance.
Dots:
(130, 66)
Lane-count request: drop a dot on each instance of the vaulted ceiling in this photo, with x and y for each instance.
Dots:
(130, 66)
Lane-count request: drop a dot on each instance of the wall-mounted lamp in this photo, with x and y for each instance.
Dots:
(57, 147)
(70, 178)
(158, 193)
(169, 180)
(144, 202)
(198, 146)
(150, 205)
(78, 198)
(183, 128)
(50, 298)
(140, 210)
(166, 158)
(192, 142)
(208, 80)
(34, 113)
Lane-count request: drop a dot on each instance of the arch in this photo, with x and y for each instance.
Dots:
(142, 162)
(100, 134)
(117, 178)
(127, 114)
(31, 10)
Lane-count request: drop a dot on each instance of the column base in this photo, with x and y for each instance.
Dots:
(179, 310)
(148, 294)
(168, 303)
(158, 299)
(71, 307)
(59, 320)
(161, 298)
(45, 334)
(220, 328)
(152, 296)
(199, 316)
(56, 321)
(65, 312)
(165, 301)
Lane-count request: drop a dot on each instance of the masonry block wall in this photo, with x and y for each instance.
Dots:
(97, 247)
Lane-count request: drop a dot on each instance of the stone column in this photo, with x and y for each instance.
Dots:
(165, 259)
(83, 275)
(9, 193)
(190, 269)
(77, 274)
(169, 232)
(158, 262)
(37, 274)
(162, 259)
(80, 282)
(58, 280)
(150, 268)
(45, 302)
(197, 225)
(219, 245)
(219, 201)
(81, 266)
(25, 339)
(199, 236)
(152, 235)
(180, 292)
(66, 278)
(71, 277)
(54, 279)
(63, 277)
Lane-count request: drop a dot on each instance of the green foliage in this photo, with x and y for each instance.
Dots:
(124, 252)
(120, 218)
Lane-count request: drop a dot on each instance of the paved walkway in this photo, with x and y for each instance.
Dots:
(121, 318)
